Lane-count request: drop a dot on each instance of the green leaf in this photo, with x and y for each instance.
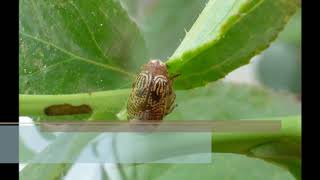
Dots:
(164, 22)
(292, 165)
(67, 146)
(77, 46)
(228, 101)
(227, 34)
(223, 166)
(292, 32)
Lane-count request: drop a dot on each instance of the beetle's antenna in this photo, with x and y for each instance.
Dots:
(172, 78)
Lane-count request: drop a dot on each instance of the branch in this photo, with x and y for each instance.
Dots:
(105, 101)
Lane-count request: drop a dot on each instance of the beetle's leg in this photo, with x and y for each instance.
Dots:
(172, 78)
(171, 106)
(171, 109)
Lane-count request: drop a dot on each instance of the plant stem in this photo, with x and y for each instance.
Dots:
(105, 101)
(244, 142)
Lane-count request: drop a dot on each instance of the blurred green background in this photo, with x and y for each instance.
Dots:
(280, 65)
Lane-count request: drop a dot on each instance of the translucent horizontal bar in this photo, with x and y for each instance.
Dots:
(120, 147)
(171, 126)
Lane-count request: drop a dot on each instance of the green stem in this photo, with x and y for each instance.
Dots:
(105, 101)
(244, 142)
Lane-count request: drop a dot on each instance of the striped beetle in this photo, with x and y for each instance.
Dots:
(152, 96)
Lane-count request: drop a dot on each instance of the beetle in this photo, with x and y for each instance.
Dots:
(152, 96)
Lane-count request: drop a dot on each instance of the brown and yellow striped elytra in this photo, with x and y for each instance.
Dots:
(152, 96)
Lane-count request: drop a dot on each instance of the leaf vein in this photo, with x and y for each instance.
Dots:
(90, 32)
(76, 57)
